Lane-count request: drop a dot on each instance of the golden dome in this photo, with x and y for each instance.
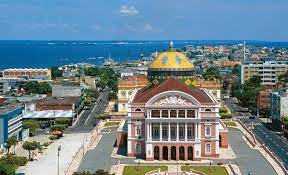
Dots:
(171, 60)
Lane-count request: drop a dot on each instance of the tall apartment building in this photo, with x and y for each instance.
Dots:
(268, 70)
(278, 106)
(10, 121)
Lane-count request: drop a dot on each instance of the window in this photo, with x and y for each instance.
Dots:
(207, 130)
(173, 114)
(208, 148)
(191, 114)
(181, 114)
(155, 113)
(137, 110)
(164, 113)
(138, 131)
(164, 132)
(208, 110)
(123, 94)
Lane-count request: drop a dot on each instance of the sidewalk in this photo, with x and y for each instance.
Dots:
(46, 164)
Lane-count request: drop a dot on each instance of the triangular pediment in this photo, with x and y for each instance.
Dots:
(173, 100)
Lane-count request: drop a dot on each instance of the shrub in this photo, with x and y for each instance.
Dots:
(63, 121)
(46, 144)
(58, 128)
(14, 160)
(223, 110)
(226, 115)
(53, 137)
(103, 116)
(7, 169)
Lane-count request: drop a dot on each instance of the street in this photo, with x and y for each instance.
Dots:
(87, 121)
(266, 137)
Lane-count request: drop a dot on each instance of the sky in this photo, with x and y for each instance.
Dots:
(144, 20)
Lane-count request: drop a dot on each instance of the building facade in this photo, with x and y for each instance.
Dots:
(171, 121)
(269, 71)
(26, 73)
(10, 121)
(263, 99)
(4, 87)
(279, 103)
(126, 86)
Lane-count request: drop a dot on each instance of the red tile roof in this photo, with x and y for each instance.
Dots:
(172, 84)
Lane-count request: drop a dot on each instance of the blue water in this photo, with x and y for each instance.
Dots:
(36, 54)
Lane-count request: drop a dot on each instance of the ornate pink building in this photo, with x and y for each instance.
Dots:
(172, 121)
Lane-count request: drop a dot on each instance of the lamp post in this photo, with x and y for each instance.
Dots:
(59, 149)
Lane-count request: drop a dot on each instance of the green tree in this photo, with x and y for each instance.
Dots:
(44, 88)
(112, 95)
(14, 160)
(58, 128)
(63, 121)
(12, 141)
(7, 169)
(30, 146)
(55, 72)
(211, 73)
(31, 87)
(283, 77)
(93, 93)
(32, 125)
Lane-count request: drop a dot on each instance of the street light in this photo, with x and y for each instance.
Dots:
(59, 149)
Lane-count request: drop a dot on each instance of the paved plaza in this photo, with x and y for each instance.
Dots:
(46, 164)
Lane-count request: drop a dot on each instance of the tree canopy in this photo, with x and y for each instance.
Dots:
(283, 77)
(34, 87)
(30, 146)
(55, 72)
(211, 73)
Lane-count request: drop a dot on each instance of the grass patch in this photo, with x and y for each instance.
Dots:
(111, 124)
(229, 123)
(213, 170)
(142, 170)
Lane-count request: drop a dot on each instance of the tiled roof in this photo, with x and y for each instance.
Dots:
(172, 84)
(136, 80)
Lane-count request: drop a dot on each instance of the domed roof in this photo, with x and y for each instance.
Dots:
(171, 60)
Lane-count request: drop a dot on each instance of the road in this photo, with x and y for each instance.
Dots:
(87, 121)
(274, 142)
(248, 160)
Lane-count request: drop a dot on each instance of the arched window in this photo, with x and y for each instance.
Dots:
(208, 148)
(207, 131)
(208, 110)
(138, 148)
(138, 110)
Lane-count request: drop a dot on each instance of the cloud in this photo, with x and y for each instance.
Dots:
(128, 10)
(148, 27)
(95, 27)
(131, 28)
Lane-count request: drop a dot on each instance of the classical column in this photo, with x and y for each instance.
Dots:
(177, 152)
(177, 111)
(196, 130)
(185, 113)
(186, 132)
(160, 113)
(168, 113)
(169, 152)
(186, 152)
(150, 130)
(177, 131)
(160, 153)
(160, 131)
(169, 135)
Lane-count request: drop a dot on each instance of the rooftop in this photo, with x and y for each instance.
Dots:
(135, 80)
(172, 84)
(8, 106)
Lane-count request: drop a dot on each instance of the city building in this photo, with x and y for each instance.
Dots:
(38, 74)
(172, 121)
(278, 107)
(213, 86)
(4, 87)
(51, 108)
(89, 81)
(268, 70)
(169, 119)
(126, 86)
(67, 89)
(263, 99)
(10, 120)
